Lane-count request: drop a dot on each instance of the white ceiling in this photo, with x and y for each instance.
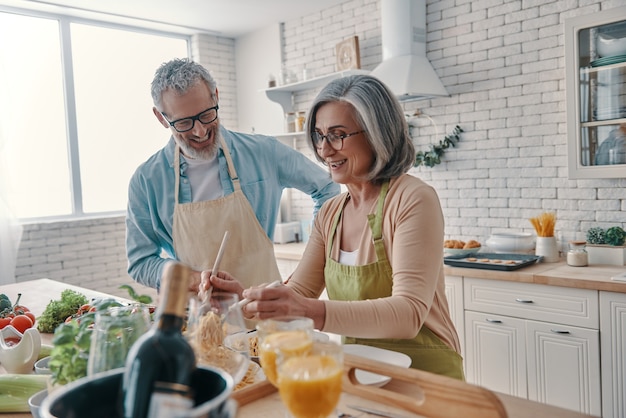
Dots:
(229, 18)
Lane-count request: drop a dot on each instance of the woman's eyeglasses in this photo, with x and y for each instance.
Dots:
(335, 140)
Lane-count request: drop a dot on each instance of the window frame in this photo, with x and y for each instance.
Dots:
(64, 23)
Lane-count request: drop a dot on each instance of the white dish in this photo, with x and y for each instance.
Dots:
(511, 242)
(245, 342)
(461, 251)
(42, 367)
(379, 354)
(35, 401)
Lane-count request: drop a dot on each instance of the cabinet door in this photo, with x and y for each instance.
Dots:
(495, 352)
(613, 343)
(564, 366)
(454, 294)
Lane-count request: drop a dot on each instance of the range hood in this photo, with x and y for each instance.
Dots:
(405, 68)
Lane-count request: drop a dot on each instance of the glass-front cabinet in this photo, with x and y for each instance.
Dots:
(595, 58)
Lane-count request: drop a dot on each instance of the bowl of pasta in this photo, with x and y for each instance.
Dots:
(249, 342)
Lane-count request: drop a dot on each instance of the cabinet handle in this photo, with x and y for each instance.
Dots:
(493, 321)
(559, 331)
(520, 300)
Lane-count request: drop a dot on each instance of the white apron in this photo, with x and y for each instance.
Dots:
(198, 229)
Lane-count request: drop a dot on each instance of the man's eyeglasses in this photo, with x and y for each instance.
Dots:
(335, 140)
(186, 124)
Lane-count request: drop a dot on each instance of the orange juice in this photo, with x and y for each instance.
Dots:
(310, 386)
(296, 342)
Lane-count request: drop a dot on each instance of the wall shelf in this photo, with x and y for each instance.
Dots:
(283, 94)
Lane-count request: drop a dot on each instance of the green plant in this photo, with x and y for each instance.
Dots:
(433, 156)
(595, 236)
(615, 236)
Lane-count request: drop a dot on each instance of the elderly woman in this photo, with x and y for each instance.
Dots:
(378, 248)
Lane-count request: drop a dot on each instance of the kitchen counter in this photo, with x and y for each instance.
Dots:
(595, 277)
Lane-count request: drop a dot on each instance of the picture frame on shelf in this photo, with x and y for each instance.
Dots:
(348, 54)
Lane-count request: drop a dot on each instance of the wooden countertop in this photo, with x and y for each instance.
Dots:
(594, 276)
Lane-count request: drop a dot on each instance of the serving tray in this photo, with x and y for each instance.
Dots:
(492, 261)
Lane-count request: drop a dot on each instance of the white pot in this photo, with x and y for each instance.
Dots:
(511, 242)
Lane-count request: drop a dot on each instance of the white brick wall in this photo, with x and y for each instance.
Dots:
(502, 61)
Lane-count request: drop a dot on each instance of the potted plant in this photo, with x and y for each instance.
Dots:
(606, 246)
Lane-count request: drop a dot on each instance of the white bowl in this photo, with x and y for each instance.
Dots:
(609, 46)
(379, 354)
(511, 242)
(461, 251)
(42, 366)
(34, 402)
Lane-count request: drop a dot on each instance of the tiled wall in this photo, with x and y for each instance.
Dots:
(502, 62)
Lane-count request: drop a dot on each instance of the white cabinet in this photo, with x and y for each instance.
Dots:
(596, 92)
(534, 341)
(454, 294)
(613, 346)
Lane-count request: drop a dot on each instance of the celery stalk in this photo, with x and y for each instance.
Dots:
(15, 389)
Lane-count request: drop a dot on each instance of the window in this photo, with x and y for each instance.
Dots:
(76, 112)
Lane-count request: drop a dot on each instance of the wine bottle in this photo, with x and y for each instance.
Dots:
(160, 364)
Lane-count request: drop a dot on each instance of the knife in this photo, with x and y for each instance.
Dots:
(377, 412)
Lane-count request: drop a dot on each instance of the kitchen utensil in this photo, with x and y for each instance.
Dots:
(205, 295)
(245, 301)
(378, 412)
(490, 261)
(386, 356)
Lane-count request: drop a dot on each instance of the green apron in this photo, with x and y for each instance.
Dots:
(373, 281)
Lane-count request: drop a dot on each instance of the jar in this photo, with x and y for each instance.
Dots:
(577, 254)
(300, 121)
(290, 122)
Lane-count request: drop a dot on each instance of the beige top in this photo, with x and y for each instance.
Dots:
(413, 232)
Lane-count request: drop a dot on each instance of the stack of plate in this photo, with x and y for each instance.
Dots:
(615, 59)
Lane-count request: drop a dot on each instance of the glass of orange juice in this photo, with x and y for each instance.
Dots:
(310, 384)
(285, 334)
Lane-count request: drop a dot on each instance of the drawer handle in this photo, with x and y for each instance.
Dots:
(559, 331)
(493, 321)
(520, 300)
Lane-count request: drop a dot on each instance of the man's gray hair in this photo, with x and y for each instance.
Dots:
(179, 74)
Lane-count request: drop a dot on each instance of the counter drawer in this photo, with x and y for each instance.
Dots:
(562, 305)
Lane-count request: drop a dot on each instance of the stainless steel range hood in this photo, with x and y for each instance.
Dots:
(405, 68)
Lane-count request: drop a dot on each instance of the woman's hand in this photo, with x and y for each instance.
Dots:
(268, 302)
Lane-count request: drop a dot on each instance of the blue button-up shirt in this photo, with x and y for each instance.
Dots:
(265, 167)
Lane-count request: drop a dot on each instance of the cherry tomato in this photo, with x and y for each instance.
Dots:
(31, 316)
(22, 308)
(21, 323)
(4, 322)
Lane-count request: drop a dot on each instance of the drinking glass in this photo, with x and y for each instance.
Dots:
(310, 384)
(210, 325)
(114, 332)
(288, 334)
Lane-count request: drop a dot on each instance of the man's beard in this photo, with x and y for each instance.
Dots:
(203, 154)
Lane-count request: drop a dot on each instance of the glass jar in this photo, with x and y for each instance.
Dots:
(577, 254)
(300, 119)
(290, 122)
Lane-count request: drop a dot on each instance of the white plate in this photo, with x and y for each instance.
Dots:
(379, 354)
(241, 342)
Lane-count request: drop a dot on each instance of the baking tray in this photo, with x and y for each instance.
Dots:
(492, 261)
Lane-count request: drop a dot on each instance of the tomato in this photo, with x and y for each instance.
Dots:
(21, 323)
(31, 316)
(18, 308)
(4, 322)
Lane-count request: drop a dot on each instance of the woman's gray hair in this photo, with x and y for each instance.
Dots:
(379, 113)
(179, 74)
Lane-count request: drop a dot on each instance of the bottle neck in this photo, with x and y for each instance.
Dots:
(170, 323)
